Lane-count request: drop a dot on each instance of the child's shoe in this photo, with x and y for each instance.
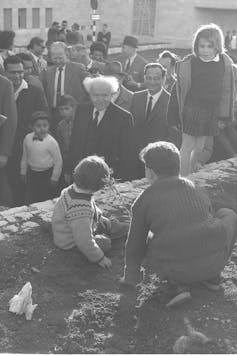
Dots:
(182, 294)
(213, 283)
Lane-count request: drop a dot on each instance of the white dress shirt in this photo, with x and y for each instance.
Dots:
(155, 98)
(23, 85)
(56, 84)
(131, 59)
(100, 116)
(41, 155)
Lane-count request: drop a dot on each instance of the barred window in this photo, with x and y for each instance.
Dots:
(22, 18)
(144, 13)
(7, 19)
(48, 16)
(35, 17)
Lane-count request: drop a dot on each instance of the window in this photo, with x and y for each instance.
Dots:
(144, 13)
(7, 19)
(22, 18)
(48, 16)
(35, 17)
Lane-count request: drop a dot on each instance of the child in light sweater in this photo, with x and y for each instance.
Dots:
(41, 162)
(76, 218)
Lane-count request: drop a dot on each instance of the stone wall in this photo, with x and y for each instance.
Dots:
(219, 179)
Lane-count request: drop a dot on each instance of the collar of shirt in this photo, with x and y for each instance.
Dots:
(89, 65)
(216, 59)
(63, 68)
(35, 57)
(23, 86)
(56, 83)
(101, 114)
(115, 96)
(155, 98)
(131, 59)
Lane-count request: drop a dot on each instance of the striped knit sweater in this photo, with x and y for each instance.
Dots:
(74, 217)
(181, 219)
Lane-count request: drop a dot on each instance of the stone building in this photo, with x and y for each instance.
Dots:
(152, 21)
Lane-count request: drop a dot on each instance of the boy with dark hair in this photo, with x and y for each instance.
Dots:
(41, 162)
(187, 242)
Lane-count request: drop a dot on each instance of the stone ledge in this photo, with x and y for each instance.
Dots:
(219, 179)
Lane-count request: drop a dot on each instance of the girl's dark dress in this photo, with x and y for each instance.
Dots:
(200, 114)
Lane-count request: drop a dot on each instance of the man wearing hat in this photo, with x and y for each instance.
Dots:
(132, 63)
(36, 48)
(123, 97)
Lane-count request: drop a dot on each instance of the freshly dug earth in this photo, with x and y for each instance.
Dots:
(82, 309)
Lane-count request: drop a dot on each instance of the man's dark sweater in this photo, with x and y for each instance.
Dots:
(181, 219)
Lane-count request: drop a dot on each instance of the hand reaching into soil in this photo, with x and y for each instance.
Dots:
(105, 263)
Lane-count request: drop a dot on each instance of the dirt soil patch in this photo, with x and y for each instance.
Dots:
(81, 308)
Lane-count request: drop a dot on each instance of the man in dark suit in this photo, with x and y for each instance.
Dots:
(149, 109)
(7, 135)
(29, 98)
(64, 77)
(102, 128)
(123, 97)
(132, 63)
(36, 48)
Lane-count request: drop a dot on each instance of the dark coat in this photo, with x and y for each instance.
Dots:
(136, 70)
(7, 108)
(151, 130)
(74, 76)
(111, 139)
(124, 100)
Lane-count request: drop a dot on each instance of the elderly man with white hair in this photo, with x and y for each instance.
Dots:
(103, 128)
(64, 77)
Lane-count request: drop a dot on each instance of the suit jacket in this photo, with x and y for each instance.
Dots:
(36, 70)
(136, 70)
(74, 76)
(124, 100)
(151, 130)
(7, 108)
(111, 139)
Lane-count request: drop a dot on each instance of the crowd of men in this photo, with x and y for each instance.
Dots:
(112, 108)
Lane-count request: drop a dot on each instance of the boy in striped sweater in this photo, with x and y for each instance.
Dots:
(76, 218)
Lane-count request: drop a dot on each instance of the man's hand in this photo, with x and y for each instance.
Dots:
(105, 263)
(23, 178)
(3, 161)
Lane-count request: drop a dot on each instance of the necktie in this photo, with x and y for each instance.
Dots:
(39, 65)
(95, 119)
(128, 65)
(60, 69)
(149, 107)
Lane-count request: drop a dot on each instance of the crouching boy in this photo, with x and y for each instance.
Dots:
(76, 217)
(189, 242)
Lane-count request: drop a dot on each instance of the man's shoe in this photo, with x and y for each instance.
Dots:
(182, 295)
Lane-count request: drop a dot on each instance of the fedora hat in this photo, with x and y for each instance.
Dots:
(113, 68)
(130, 41)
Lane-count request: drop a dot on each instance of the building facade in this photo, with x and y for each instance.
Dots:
(152, 21)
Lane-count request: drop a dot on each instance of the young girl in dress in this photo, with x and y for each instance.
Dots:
(203, 97)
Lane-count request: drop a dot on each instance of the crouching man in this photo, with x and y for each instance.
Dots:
(188, 242)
